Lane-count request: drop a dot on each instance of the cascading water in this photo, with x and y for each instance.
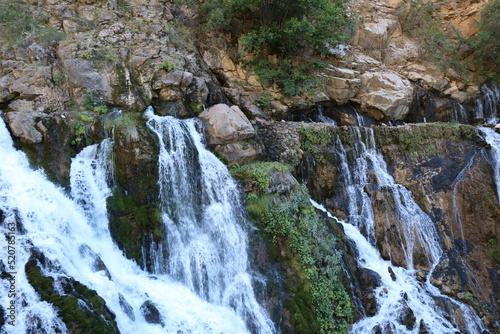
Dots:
(486, 105)
(459, 113)
(400, 294)
(203, 222)
(73, 236)
(493, 139)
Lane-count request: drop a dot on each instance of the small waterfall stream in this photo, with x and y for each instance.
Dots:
(486, 105)
(493, 139)
(72, 234)
(401, 293)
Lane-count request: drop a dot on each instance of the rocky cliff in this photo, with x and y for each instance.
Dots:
(63, 79)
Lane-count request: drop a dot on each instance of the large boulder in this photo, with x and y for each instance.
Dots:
(385, 94)
(230, 133)
(226, 124)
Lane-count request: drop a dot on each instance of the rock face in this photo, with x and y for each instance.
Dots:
(441, 165)
(229, 132)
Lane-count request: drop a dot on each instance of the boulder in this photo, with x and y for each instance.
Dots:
(226, 124)
(387, 92)
(23, 126)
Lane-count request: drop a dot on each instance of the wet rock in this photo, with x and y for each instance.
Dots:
(446, 290)
(129, 310)
(151, 313)
(407, 317)
(391, 272)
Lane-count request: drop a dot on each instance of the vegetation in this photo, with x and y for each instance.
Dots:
(282, 30)
(487, 43)
(95, 102)
(315, 141)
(167, 65)
(81, 309)
(418, 21)
(492, 248)
(18, 21)
(293, 225)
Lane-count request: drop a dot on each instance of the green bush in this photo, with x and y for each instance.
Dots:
(15, 19)
(487, 42)
(313, 246)
(167, 65)
(284, 29)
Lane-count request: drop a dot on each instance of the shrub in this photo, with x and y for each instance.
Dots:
(15, 19)
(284, 29)
(94, 102)
(487, 42)
(167, 65)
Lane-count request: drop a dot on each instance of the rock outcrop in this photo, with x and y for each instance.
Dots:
(230, 133)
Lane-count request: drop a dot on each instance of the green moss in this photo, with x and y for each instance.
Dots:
(130, 223)
(256, 175)
(95, 318)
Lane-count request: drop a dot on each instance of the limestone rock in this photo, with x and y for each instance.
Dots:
(23, 126)
(240, 152)
(387, 92)
(226, 124)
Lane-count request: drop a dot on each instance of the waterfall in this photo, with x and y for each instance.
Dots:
(413, 225)
(71, 232)
(459, 113)
(401, 294)
(203, 221)
(486, 105)
(493, 139)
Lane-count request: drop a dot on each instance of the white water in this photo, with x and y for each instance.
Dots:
(414, 226)
(73, 235)
(493, 139)
(203, 220)
(486, 105)
(459, 113)
(394, 296)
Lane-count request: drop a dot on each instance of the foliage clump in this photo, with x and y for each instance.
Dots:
(283, 30)
(487, 42)
(18, 21)
(293, 221)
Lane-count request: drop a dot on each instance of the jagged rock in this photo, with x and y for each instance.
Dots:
(375, 35)
(281, 181)
(23, 126)
(226, 124)
(387, 92)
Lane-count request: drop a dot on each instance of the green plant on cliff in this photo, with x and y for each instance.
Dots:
(293, 221)
(313, 139)
(492, 248)
(284, 30)
(256, 173)
(15, 19)
(487, 42)
(81, 309)
(94, 102)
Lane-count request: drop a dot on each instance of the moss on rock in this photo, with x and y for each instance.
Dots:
(93, 317)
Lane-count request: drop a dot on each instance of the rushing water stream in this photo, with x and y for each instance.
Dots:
(72, 233)
(400, 294)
